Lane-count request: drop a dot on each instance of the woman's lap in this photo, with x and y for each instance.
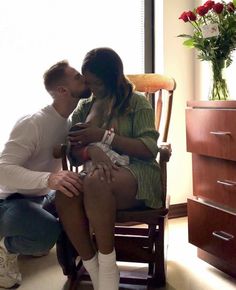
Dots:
(124, 187)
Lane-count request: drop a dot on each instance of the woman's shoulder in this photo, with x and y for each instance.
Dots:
(85, 102)
(81, 110)
(138, 101)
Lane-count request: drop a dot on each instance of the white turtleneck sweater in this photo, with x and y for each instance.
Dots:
(27, 158)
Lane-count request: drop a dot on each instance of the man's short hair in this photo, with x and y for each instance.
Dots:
(55, 75)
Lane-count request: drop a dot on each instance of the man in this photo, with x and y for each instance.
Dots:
(28, 172)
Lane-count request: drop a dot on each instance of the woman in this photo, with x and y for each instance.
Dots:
(123, 119)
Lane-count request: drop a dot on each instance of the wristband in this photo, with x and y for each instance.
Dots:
(105, 136)
(108, 136)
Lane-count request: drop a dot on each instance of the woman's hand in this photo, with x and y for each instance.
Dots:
(102, 163)
(85, 133)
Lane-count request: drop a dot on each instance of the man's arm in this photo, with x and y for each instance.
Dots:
(18, 150)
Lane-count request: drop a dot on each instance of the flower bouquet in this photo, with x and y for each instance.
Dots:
(214, 36)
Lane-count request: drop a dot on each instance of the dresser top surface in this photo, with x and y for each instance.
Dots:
(212, 104)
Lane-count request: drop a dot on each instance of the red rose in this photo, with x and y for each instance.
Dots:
(188, 16)
(209, 4)
(191, 16)
(218, 7)
(230, 7)
(202, 10)
(184, 17)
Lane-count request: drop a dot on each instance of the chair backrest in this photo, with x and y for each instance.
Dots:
(151, 83)
(159, 90)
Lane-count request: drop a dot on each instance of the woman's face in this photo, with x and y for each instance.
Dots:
(96, 85)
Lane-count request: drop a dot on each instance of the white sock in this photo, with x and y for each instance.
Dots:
(91, 267)
(109, 276)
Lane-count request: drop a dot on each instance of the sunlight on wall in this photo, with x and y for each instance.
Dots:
(36, 34)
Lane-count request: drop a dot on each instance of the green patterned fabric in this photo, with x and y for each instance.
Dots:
(137, 123)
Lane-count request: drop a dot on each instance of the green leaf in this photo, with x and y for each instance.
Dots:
(184, 35)
(234, 2)
(189, 43)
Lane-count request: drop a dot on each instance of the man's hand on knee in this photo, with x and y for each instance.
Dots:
(67, 182)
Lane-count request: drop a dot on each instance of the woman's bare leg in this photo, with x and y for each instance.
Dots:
(102, 199)
(72, 215)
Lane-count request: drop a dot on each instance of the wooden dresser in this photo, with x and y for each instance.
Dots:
(211, 138)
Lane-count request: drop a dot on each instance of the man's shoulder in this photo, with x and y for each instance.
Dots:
(31, 118)
(35, 114)
(23, 120)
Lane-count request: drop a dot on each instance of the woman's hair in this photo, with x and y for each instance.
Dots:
(106, 65)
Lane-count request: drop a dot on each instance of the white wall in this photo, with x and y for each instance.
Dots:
(178, 62)
(192, 77)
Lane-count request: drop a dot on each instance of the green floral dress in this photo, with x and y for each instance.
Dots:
(137, 123)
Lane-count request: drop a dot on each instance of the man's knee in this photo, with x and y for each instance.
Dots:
(46, 238)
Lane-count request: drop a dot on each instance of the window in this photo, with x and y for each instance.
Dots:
(36, 34)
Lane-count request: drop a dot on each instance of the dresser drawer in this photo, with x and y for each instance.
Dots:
(215, 179)
(212, 229)
(211, 132)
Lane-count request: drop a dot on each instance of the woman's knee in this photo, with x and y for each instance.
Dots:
(62, 202)
(94, 188)
(66, 206)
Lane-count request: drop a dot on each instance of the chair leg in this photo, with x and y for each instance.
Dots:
(152, 235)
(72, 283)
(159, 276)
(66, 255)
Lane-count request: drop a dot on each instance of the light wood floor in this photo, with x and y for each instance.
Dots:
(185, 271)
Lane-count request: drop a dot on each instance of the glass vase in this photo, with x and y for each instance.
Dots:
(218, 89)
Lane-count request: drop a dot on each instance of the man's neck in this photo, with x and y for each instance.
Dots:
(65, 109)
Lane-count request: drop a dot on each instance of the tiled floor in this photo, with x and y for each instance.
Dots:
(184, 271)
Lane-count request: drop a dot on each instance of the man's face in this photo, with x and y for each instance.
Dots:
(75, 83)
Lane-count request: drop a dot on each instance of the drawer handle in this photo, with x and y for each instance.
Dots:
(227, 182)
(221, 133)
(223, 235)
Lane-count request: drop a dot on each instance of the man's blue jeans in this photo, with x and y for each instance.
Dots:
(28, 228)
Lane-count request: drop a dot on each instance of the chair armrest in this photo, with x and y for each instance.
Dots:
(165, 152)
(59, 152)
(164, 156)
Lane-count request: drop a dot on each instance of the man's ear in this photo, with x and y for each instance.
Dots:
(61, 89)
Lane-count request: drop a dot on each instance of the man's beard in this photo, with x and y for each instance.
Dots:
(82, 95)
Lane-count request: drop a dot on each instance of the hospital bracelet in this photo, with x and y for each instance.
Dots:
(108, 136)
